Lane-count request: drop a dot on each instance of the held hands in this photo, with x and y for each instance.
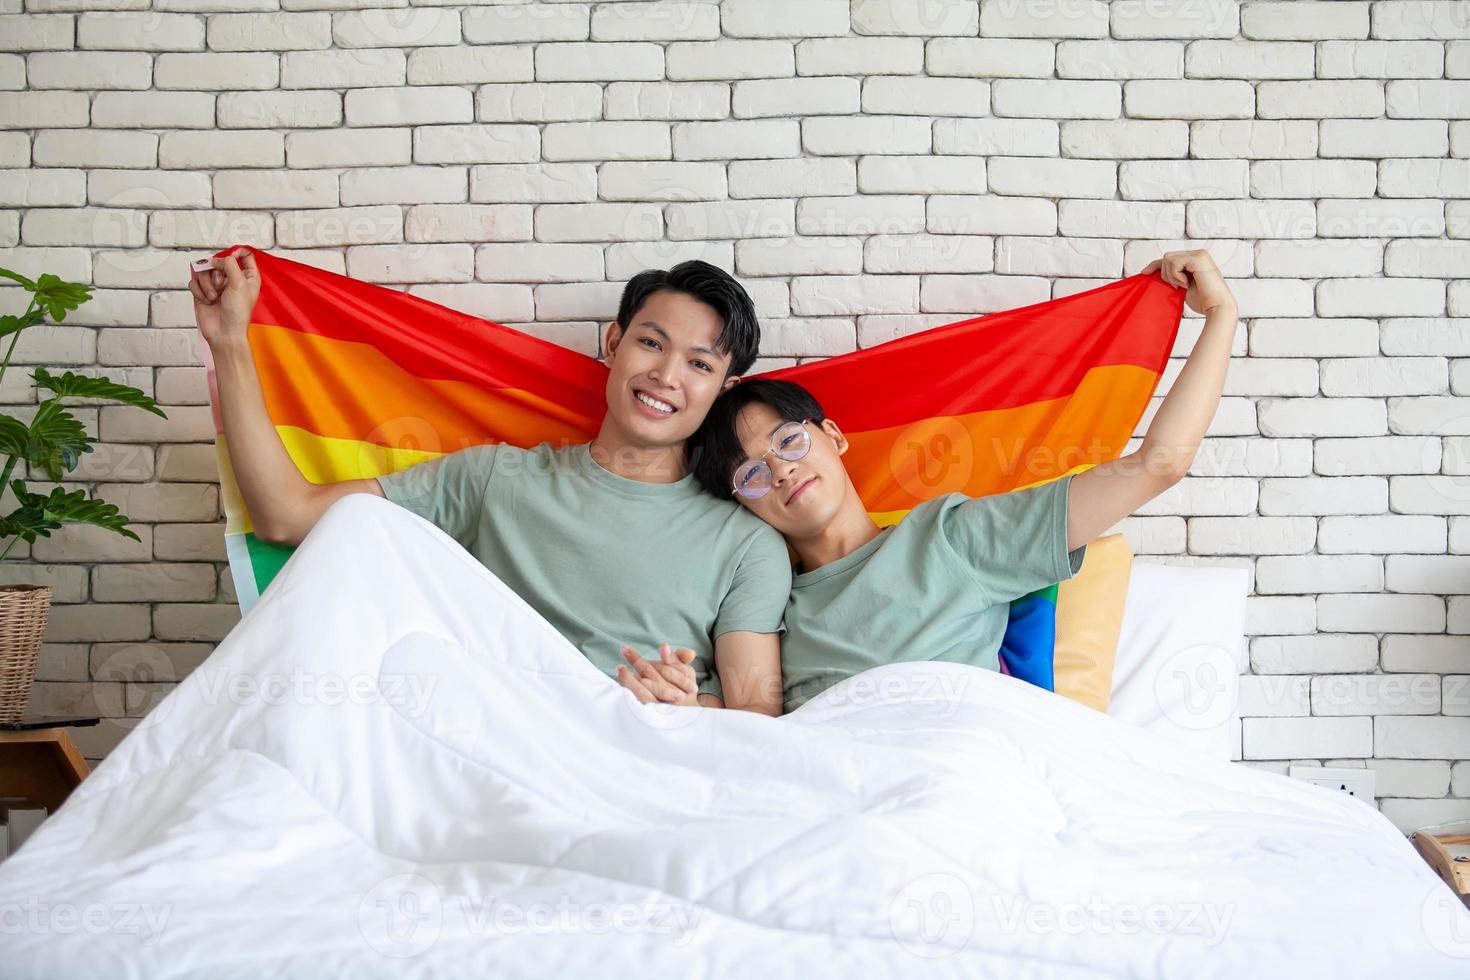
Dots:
(669, 679)
(225, 296)
(1196, 271)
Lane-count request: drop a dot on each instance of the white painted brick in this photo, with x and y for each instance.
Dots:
(1410, 777)
(928, 253)
(1456, 694)
(537, 262)
(534, 182)
(730, 59)
(1410, 815)
(1052, 178)
(926, 96)
(853, 295)
(403, 185)
(779, 18)
(113, 227)
(1408, 737)
(1119, 60)
(508, 23)
(599, 61)
(1380, 297)
(411, 263)
(89, 69)
(1381, 613)
(335, 227)
(1015, 255)
(971, 294)
(1253, 138)
(1459, 298)
(1382, 534)
(921, 175)
(221, 71)
(1420, 18)
(1457, 219)
(1251, 535)
(37, 32)
(731, 219)
(1384, 454)
(1234, 260)
(796, 97)
(831, 256)
(1431, 415)
(863, 56)
(119, 31)
(277, 110)
(347, 148)
(998, 137)
(659, 20)
(854, 135)
(1249, 59)
(1058, 99)
(1273, 696)
(1192, 99)
(1294, 738)
(271, 189)
(1210, 495)
(1423, 178)
(1456, 59)
(1313, 574)
(645, 181)
(412, 27)
(1456, 456)
(626, 259)
(154, 110)
(806, 177)
(341, 69)
(992, 215)
(1435, 654)
(1144, 19)
(270, 32)
(1324, 495)
(479, 143)
(470, 65)
(97, 148)
(1441, 574)
(1376, 694)
(737, 139)
(1427, 258)
(1312, 178)
(1252, 457)
(599, 222)
(1064, 18)
(944, 17)
(1380, 59)
(1306, 21)
(1458, 616)
(1367, 137)
(15, 149)
(400, 106)
(808, 337)
(1384, 376)
(868, 214)
(1152, 535)
(467, 223)
(669, 100)
(577, 301)
(210, 229)
(1430, 494)
(1123, 139)
(1383, 219)
(1172, 180)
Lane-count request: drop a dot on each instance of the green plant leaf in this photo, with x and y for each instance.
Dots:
(81, 386)
(14, 437)
(10, 323)
(27, 283)
(55, 440)
(38, 516)
(59, 297)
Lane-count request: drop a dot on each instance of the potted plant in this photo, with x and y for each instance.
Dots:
(52, 442)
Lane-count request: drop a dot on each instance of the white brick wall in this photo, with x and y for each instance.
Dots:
(867, 169)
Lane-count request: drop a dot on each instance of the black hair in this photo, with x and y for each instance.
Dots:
(740, 337)
(715, 448)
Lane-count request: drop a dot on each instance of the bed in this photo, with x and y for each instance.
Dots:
(393, 767)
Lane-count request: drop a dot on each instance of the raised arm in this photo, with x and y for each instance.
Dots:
(1105, 494)
(283, 504)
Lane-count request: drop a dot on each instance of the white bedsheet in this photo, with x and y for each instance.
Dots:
(394, 767)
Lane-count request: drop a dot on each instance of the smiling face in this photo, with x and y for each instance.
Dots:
(664, 370)
(806, 494)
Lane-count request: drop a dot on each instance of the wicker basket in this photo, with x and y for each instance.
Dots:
(23, 611)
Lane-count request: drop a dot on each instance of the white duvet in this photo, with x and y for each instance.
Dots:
(394, 767)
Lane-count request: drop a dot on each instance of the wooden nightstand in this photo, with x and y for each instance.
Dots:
(40, 764)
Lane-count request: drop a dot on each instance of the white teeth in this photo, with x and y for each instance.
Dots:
(654, 402)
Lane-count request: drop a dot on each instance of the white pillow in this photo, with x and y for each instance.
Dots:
(1180, 655)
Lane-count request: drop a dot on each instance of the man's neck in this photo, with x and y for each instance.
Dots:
(646, 464)
(848, 531)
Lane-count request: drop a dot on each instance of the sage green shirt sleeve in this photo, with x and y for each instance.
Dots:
(761, 586)
(1014, 542)
(448, 491)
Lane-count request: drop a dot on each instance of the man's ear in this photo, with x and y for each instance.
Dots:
(838, 439)
(611, 339)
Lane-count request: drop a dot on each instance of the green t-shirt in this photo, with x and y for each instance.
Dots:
(935, 586)
(606, 560)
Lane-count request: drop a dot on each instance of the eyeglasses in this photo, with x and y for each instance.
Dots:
(789, 442)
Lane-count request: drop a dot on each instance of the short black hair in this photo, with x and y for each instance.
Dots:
(741, 336)
(715, 448)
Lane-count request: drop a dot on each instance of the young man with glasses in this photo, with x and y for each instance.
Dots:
(937, 585)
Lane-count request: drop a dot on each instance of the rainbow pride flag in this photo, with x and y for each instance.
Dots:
(362, 380)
